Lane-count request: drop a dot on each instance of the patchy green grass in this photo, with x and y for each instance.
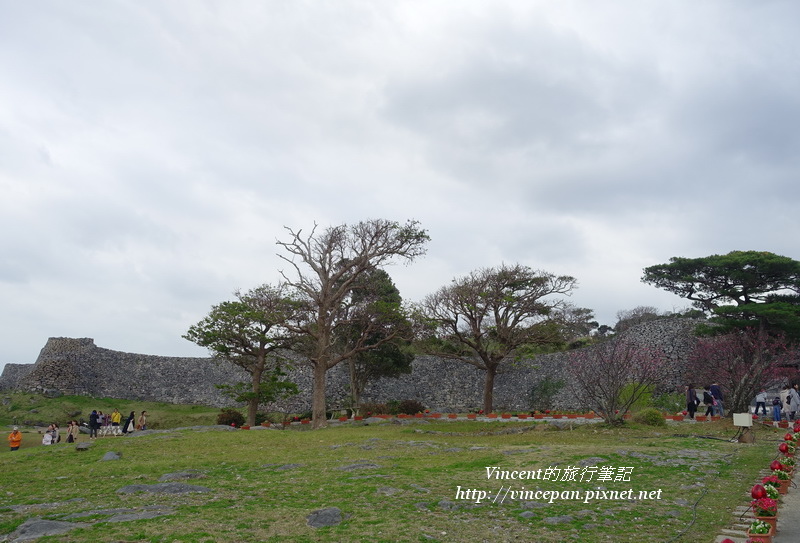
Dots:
(405, 488)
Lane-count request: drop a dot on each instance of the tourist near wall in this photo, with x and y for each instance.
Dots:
(78, 366)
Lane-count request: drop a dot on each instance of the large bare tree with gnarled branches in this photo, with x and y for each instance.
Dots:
(327, 265)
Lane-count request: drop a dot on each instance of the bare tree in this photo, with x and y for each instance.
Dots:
(494, 315)
(627, 318)
(326, 266)
(611, 376)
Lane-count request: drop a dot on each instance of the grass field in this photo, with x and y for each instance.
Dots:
(396, 483)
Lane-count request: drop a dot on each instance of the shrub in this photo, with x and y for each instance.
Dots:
(374, 408)
(228, 416)
(393, 407)
(542, 394)
(410, 407)
(650, 416)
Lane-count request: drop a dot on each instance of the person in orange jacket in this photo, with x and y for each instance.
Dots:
(15, 439)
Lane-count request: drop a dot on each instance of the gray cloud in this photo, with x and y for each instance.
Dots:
(151, 153)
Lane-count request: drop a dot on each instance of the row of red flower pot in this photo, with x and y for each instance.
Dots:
(470, 416)
(474, 416)
(766, 494)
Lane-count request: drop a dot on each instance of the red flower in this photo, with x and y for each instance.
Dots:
(771, 480)
(765, 507)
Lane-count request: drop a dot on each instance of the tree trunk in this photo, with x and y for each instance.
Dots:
(318, 394)
(355, 393)
(488, 389)
(252, 403)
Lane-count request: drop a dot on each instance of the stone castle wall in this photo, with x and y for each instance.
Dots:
(78, 366)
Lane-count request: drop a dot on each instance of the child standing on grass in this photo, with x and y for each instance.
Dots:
(776, 409)
(15, 439)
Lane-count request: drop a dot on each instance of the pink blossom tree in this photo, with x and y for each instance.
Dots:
(743, 362)
(612, 376)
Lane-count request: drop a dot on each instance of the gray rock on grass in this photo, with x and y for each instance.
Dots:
(182, 476)
(330, 516)
(34, 528)
(111, 455)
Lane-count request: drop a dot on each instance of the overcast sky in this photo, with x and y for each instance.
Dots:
(152, 152)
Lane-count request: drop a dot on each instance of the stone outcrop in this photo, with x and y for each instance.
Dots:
(78, 366)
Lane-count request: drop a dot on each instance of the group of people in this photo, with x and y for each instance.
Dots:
(711, 397)
(785, 403)
(110, 423)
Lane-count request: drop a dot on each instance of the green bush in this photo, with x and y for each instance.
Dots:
(650, 416)
(542, 394)
(228, 416)
(393, 407)
(410, 407)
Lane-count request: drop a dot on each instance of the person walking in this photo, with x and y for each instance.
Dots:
(786, 402)
(116, 418)
(708, 400)
(72, 431)
(15, 439)
(128, 427)
(761, 401)
(719, 407)
(691, 400)
(49, 436)
(141, 424)
(793, 399)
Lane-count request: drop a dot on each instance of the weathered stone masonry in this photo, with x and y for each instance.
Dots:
(78, 366)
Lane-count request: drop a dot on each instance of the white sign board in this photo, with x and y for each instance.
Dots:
(742, 419)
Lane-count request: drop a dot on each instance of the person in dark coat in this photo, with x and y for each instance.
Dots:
(94, 424)
(130, 424)
(691, 400)
(719, 407)
(708, 399)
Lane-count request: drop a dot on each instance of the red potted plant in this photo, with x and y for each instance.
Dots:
(766, 509)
